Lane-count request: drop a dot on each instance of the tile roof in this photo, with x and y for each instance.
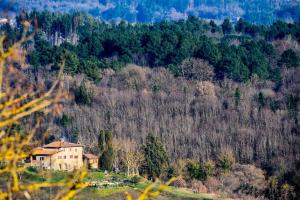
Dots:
(90, 156)
(59, 144)
(41, 151)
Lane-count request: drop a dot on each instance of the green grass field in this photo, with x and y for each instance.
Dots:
(117, 193)
(112, 193)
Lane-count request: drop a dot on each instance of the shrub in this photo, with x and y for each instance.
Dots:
(277, 191)
(135, 179)
(210, 168)
(287, 192)
(226, 160)
(196, 170)
(82, 96)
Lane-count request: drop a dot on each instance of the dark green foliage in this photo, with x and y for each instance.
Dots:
(107, 159)
(292, 105)
(49, 139)
(214, 26)
(209, 51)
(274, 105)
(71, 62)
(276, 77)
(278, 30)
(232, 66)
(247, 28)
(165, 43)
(196, 171)
(106, 150)
(82, 96)
(289, 58)
(155, 88)
(226, 160)
(156, 157)
(261, 100)
(292, 102)
(255, 60)
(65, 120)
(227, 26)
(170, 172)
(135, 179)
(174, 69)
(237, 96)
(74, 135)
(91, 67)
(43, 53)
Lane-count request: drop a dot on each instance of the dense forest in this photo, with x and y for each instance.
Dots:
(238, 51)
(256, 11)
(201, 88)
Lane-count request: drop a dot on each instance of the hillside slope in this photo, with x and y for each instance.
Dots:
(194, 120)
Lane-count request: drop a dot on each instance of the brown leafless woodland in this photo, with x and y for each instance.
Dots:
(136, 101)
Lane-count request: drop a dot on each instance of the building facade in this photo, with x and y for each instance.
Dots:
(58, 155)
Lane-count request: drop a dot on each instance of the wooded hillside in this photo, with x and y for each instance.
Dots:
(202, 88)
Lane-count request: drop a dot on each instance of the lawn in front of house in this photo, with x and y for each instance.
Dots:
(112, 192)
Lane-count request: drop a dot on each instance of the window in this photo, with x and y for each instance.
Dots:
(71, 156)
(75, 157)
(41, 158)
(65, 157)
(33, 157)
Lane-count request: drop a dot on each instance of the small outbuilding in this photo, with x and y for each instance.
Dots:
(91, 160)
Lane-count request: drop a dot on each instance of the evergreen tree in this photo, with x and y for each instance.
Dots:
(82, 96)
(289, 58)
(227, 26)
(71, 62)
(213, 26)
(237, 96)
(106, 150)
(261, 100)
(155, 156)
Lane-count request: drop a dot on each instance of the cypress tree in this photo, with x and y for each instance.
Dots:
(155, 156)
(106, 150)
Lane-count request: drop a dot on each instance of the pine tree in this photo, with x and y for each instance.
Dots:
(227, 26)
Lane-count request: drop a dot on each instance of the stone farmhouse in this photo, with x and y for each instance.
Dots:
(60, 155)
